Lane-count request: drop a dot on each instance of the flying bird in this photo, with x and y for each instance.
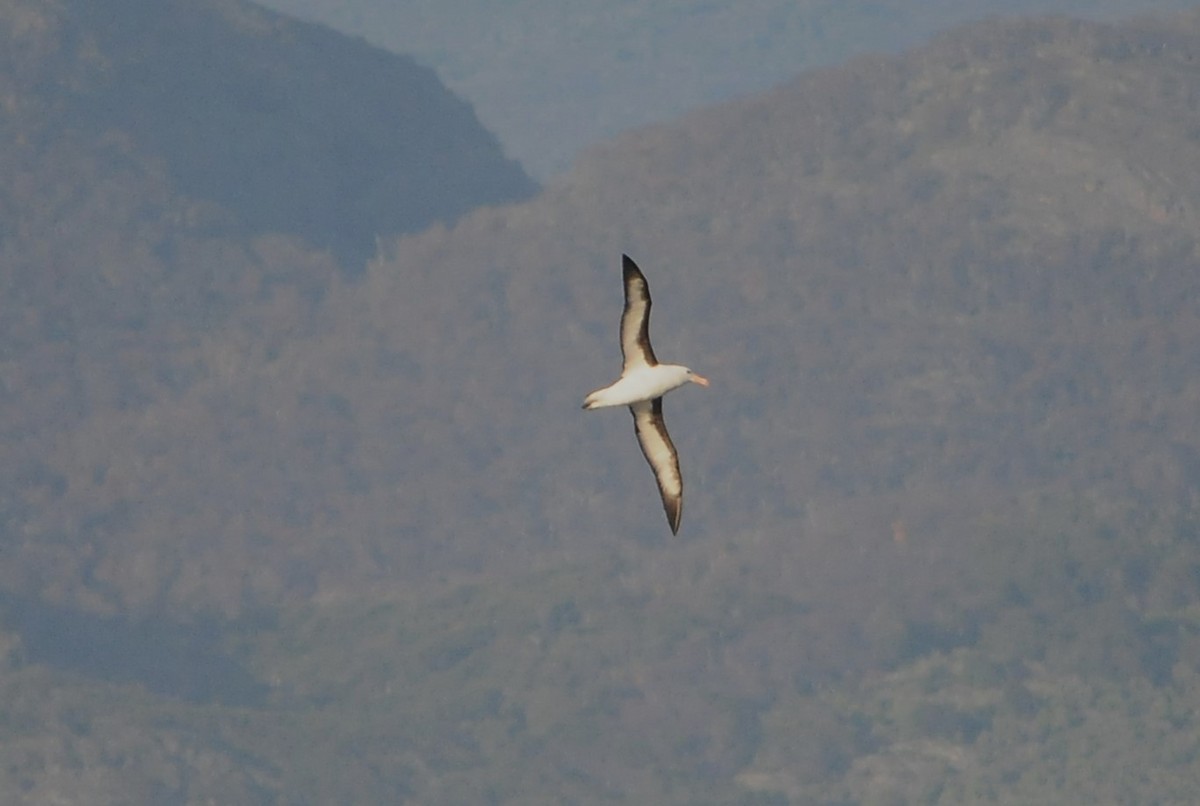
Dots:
(641, 387)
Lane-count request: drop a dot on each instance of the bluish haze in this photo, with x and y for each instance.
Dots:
(298, 505)
(551, 78)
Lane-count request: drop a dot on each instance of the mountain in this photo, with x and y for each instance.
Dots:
(350, 538)
(290, 127)
(552, 78)
(907, 276)
(178, 170)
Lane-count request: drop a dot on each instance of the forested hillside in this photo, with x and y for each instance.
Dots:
(941, 540)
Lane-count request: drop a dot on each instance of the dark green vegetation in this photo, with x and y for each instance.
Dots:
(941, 543)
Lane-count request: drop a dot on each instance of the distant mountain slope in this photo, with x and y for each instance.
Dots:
(941, 529)
(969, 265)
(967, 269)
(170, 170)
(290, 126)
(552, 77)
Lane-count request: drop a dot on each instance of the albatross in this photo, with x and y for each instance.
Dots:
(641, 387)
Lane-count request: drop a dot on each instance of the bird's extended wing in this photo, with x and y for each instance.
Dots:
(661, 454)
(635, 319)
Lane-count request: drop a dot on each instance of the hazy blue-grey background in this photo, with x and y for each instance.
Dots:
(297, 504)
(551, 78)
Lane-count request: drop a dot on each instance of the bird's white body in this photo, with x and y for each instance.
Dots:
(640, 384)
(641, 387)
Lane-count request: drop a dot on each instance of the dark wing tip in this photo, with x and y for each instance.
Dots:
(628, 267)
(674, 514)
(636, 287)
